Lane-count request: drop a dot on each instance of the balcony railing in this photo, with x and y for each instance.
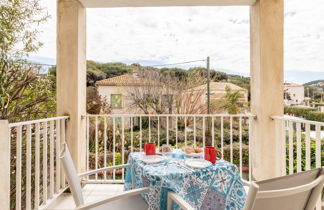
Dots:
(110, 138)
(36, 177)
(35, 171)
(303, 141)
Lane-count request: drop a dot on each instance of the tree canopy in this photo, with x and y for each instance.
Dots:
(98, 71)
(23, 94)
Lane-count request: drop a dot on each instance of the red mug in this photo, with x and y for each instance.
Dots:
(149, 148)
(211, 154)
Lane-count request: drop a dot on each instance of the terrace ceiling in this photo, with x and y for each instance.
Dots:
(163, 3)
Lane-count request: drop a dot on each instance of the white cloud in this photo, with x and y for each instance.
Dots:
(304, 35)
(170, 35)
(48, 35)
(167, 35)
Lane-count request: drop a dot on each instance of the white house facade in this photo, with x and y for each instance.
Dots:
(294, 94)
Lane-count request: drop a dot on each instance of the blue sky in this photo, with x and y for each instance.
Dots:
(171, 35)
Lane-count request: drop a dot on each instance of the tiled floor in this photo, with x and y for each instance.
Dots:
(92, 192)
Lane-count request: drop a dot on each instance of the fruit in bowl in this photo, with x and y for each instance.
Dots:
(165, 149)
(191, 150)
(188, 150)
(198, 150)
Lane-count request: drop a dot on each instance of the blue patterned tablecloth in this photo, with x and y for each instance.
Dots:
(216, 187)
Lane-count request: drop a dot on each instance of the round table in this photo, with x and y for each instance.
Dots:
(216, 187)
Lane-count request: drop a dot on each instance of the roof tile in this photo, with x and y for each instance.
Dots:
(123, 80)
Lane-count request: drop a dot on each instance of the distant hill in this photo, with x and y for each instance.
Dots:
(315, 83)
(315, 90)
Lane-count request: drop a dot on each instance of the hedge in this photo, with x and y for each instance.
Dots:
(315, 116)
(298, 111)
(307, 113)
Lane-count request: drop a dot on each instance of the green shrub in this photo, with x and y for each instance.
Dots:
(303, 155)
(236, 154)
(109, 159)
(315, 116)
(298, 111)
(307, 113)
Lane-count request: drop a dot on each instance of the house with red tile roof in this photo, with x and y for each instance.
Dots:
(116, 91)
(217, 92)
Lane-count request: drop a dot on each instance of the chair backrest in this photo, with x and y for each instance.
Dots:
(297, 191)
(71, 176)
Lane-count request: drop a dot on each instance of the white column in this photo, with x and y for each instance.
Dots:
(71, 75)
(267, 18)
(5, 165)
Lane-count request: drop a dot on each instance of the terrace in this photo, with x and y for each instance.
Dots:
(263, 144)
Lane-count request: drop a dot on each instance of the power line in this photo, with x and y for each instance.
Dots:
(185, 62)
(168, 64)
(41, 64)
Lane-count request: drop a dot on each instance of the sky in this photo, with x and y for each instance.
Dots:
(152, 36)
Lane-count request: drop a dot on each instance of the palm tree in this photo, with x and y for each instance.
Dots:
(232, 101)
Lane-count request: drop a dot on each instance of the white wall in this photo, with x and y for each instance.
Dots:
(106, 91)
(297, 95)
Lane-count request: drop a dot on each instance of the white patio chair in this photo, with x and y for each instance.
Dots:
(298, 192)
(127, 200)
(294, 192)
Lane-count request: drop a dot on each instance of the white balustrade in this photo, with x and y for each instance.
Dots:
(36, 177)
(35, 147)
(303, 142)
(111, 137)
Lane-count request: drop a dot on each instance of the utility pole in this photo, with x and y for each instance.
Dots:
(208, 85)
(309, 98)
(209, 140)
